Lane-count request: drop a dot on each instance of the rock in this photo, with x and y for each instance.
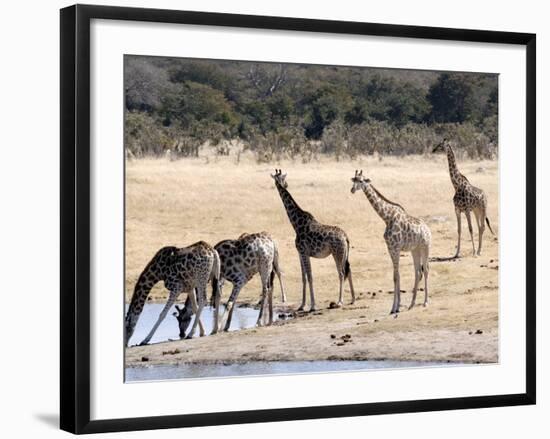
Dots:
(375, 320)
(479, 331)
(332, 336)
(373, 294)
(144, 358)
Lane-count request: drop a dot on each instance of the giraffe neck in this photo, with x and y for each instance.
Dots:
(385, 208)
(147, 279)
(453, 169)
(296, 215)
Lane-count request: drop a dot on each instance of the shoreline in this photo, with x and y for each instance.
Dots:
(371, 333)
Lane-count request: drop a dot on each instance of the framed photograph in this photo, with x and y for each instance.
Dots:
(268, 219)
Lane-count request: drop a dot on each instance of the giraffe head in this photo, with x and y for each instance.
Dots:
(183, 316)
(441, 146)
(359, 181)
(280, 178)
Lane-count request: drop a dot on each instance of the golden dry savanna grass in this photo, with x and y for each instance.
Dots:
(213, 198)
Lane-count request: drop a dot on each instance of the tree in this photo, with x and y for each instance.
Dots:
(145, 84)
(324, 106)
(449, 97)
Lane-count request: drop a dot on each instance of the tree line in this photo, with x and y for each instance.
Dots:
(280, 110)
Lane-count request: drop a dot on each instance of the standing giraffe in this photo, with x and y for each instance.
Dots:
(240, 260)
(186, 269)
(467, 198)
(316, 240)
(403, 233)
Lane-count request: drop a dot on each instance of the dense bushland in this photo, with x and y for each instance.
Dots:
(301, 111)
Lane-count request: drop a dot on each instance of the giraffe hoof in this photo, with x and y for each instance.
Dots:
(301, 308)
(144, 343)
(411, 307)
(189, 337)
(425, 304)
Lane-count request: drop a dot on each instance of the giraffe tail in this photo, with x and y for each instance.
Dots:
(489, 224)
(215, 276)
(347, 267)
(271, 279)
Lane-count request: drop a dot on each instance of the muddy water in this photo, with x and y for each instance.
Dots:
(169, 372)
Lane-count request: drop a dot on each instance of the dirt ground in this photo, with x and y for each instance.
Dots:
(213, 198)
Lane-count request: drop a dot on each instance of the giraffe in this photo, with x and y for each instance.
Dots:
(186, 269)
(240, 260)
(467, 199)
(403, 233)
(316, 240)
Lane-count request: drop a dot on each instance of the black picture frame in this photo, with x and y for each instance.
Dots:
(75, 217)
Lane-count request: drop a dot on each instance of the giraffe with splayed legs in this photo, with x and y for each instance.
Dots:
(187, 270)
(316, 240)
(404, 233)
(467, 199)
(240, 260)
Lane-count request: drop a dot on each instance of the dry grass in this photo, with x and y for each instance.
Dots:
(209, 198)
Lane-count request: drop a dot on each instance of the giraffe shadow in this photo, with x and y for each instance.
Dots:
(444, 259)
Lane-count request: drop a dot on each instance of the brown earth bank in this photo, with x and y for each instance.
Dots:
(180, 202)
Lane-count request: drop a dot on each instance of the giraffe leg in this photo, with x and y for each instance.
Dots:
(230, 306)
(265, 272)
(340, 267)
(425, 270)
(171, 299)
(351, 287)
(307, 266)
(304, 282)
(480, 216)
(217, 298)
(459, 227)
(193, 296)
(396, 282)
(261, 311)
(201, 293)
(277, 270)
(270, 302)
(471, 230)
(416, 254)
(260, 319)
(217, 301)
(283, 294)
